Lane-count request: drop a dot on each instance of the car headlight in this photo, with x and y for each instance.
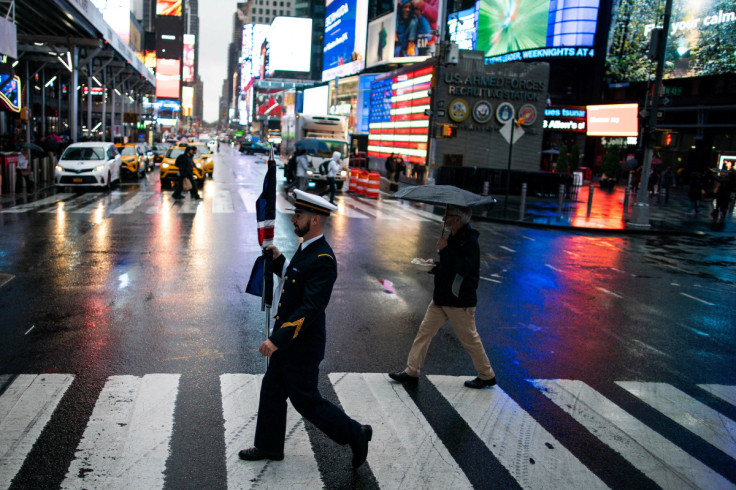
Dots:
(99, 168)
(199, 165)
(164, 165)
(59, 168)
(343, 173)
(309, 173)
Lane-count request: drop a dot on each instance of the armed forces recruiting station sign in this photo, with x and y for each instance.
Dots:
(478, 100)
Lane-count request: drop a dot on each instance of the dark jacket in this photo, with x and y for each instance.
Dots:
(457, 274)
(185, 164)
(299, 330)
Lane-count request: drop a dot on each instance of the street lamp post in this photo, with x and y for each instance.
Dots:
(640, 211)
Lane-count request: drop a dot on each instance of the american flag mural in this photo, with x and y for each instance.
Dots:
(397, 120)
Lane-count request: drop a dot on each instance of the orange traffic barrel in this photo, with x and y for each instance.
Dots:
(373, 185)
(362, 182)
(353, 182)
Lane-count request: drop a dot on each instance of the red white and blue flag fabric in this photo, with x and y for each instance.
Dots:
(398, 123)
(261, 277)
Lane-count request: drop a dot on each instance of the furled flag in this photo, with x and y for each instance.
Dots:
(261, 278)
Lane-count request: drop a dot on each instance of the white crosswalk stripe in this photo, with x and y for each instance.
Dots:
(240, 409)
(711, 426)
(658, 458)
(723, 392)
(405, 452)
(222, 202)
(126, 442)
(530, 453)
(25, 409)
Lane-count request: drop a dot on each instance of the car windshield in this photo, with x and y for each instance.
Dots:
(203, 149)
(84, 153)
(128, 150)
(175, 152)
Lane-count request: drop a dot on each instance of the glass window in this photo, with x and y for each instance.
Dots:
(128, 150)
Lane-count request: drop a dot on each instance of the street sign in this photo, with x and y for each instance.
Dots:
(506, 132)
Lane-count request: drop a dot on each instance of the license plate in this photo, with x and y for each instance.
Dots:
(77, 179)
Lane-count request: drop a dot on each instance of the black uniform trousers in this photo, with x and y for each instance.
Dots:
(298, 383)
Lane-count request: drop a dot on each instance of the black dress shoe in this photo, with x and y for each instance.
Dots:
(480, 383)
(404, 378)
(360, 445)
(255, 454)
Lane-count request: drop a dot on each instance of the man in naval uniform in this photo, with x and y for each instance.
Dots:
(297, 345)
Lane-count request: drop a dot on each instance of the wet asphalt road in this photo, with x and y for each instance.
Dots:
(97, 291)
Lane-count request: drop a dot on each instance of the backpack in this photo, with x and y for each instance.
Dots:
(323, 168)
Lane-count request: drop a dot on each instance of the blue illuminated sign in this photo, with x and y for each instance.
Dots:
(339, 33)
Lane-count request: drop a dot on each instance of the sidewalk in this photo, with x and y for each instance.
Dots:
(606, 213)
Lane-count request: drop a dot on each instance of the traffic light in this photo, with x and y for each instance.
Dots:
(449, 131)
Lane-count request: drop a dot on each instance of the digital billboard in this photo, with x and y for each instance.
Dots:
(168, 78)
(290, 44)
(168, 37)
(345, 32)
(187, 100)
(316, 100)
(117, 15)
(415, 28)
(518, 30)
(267, 103)
(10, 93)
(462, 29)
(613, 120)
(188, 58)
(380, 44)
(254, 40)
(168, 7)
(701, 41)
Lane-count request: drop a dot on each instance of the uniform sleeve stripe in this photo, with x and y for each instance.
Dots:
(297, 324)
(326, 255)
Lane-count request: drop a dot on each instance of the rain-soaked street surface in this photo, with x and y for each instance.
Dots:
(129, 349)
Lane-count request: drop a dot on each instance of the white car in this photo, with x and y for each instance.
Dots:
(88, 164)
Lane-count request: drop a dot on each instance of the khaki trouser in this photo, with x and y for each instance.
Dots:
(463, 323)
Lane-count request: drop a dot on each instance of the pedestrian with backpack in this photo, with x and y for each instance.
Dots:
(330, 168)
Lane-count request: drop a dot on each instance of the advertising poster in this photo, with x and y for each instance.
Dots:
(462, 29)
(117, 15)
(519, 30)
(10, 93)
(415, 28)
(168, 79)
(267, 103)
(380, 46)
(253, 52)
(701, 41)
(345, 33)
(188, 58)
(290, 44)
(168, 7)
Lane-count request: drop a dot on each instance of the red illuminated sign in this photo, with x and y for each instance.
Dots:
(613, 120)
(168, 78)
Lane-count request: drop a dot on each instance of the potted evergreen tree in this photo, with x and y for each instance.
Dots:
(610, 168)
(562, 161)
(574, 158)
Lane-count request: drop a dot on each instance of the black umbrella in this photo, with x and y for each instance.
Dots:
(31, 146)
(312, 146)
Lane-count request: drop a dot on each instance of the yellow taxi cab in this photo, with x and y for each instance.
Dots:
(135, 161)
(170, 172)
(202, 148)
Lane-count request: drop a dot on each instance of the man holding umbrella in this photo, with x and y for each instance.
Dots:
(456, 278)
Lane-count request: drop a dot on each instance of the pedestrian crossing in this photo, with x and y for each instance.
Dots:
(127, 438)
(217, 201)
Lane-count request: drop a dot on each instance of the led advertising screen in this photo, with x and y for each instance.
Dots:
(345, 31)
(168, 78)
(168, 7)
(290, 44)
(316, 101)
(518, 30)
(10, 93)
(267, 103)
(462, 29)
(117, 15)
(187, 100)
(380, 45)
(168, 37)
(415, 29)
(613, 120)
(701, 41)
(188, 58)
(254, 40)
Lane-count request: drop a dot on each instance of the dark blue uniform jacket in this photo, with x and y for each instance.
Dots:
(299, 330)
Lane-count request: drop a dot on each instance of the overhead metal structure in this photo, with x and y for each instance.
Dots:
(63, 39)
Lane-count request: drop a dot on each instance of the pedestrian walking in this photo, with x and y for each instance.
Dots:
(333, 165)
(389, 164)
(454, 299)
(302, 165)
(723, 198)
(297, 345)
(666, 181)
(399, 167)
(185, 164)
(23, 168)
(694, 193)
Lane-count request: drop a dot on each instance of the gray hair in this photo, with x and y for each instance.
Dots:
(463, 213)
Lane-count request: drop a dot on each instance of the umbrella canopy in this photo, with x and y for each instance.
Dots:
(312, 145)
(551, 151)
(31, 146)
(442, 195)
